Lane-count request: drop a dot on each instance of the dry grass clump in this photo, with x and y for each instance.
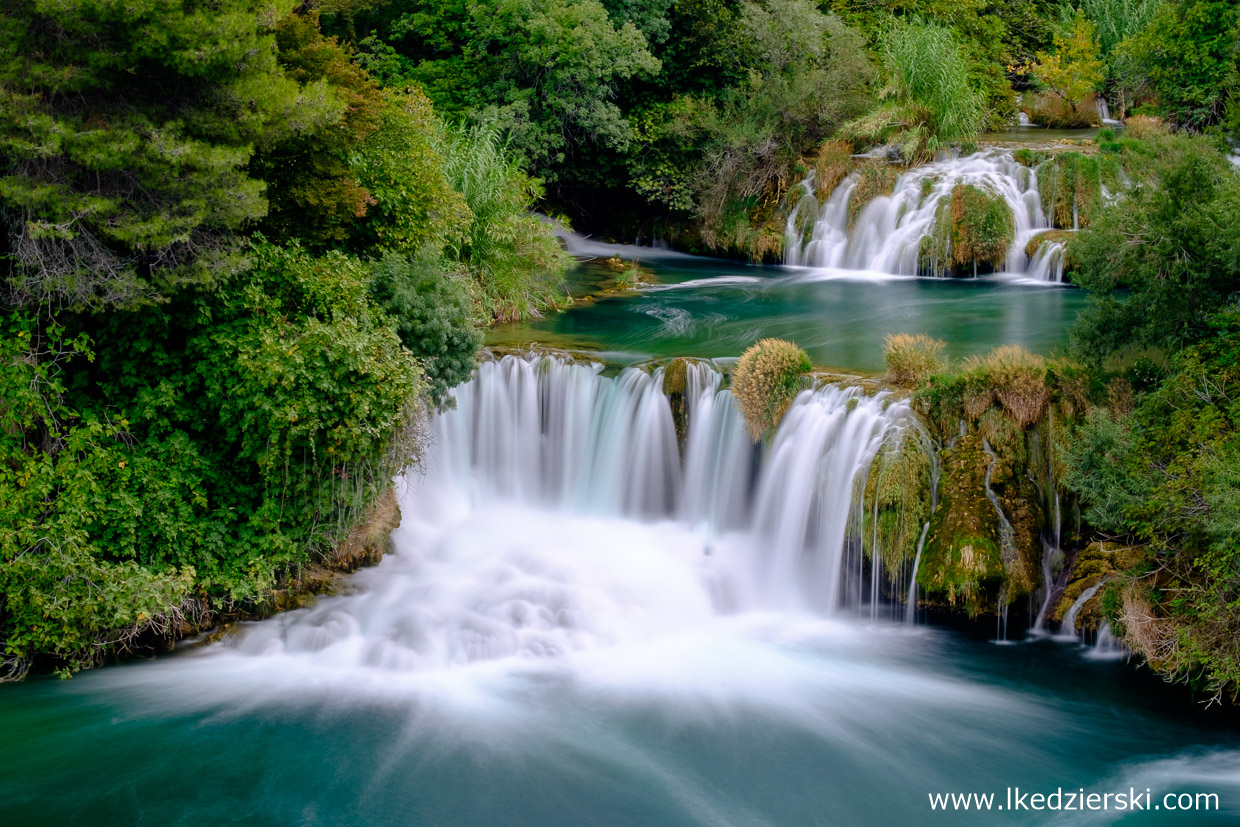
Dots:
(1141, 127)
(912, 358)
(767, 378)
(1017, 378)
(832, 166)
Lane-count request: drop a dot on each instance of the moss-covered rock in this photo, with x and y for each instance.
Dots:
(832, 165)
(962, 562)
(675, 378)
(1071, 188)
(973, 231)
(1095, 564)
(873, 180)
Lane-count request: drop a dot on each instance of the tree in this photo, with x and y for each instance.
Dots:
(1074, 70)
(313, 194)
(1172, 242)
(1191, 49)
(125, 133)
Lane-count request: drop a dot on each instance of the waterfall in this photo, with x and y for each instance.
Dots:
(1047, 261)
(886, 236)
(551, 432)
(1107, 647)
(1067, 629)
(1023, 120)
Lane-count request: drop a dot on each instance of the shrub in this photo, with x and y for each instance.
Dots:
(514, 257)
(911, 358)
(767, 378)
(1017, 379)
(433, 308)
(982, 226)
(973, 226)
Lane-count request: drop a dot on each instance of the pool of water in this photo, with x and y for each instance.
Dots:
(708, 309)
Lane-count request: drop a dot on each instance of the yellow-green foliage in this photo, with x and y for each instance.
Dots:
(897, 500)
(1017, 378)
(1076, 70)
(873, 180)
(767, 378)
(832, 166)
(911, 358)
(1071, 187)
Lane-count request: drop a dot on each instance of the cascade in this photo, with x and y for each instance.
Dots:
(1107, 647)
(1067, 629)
(556, 515)
(886, 235)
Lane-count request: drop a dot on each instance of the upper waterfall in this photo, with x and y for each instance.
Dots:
(886, 235)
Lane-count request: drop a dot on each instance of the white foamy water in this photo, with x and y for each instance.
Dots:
(886, 235)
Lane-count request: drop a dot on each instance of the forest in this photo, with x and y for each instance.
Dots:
(248, 249)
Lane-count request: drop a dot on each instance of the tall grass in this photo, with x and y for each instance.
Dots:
(930, 70)
(767, 379)
(517, 263)
(1115, 20)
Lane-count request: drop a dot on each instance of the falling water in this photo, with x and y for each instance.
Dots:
(556, 515)
(1107, 647)
(1067, 629)
(885, 237)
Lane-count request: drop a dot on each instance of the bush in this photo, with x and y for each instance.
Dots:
(431, 302)
(215, 445)
(767, 378)
(912, 358)
(973, 227)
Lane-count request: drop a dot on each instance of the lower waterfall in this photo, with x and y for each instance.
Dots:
(557, 515)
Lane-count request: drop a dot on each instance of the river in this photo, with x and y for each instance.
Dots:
(581, 623)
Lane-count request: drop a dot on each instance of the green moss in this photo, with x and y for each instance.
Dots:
(873, 181)
(1028, 158)
(896, 501)
(973, 227)
(675, 376)
(962, 563)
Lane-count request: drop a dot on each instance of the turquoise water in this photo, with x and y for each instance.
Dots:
(707, 309)
(822, 725)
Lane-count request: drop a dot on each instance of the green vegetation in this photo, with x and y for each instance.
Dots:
(767, 379)
(237, 275)
(973, 227)
(896, 501)
(930, 101)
